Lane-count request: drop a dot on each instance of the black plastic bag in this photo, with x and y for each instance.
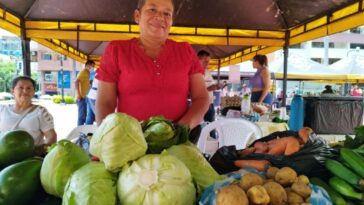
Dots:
(308, 161)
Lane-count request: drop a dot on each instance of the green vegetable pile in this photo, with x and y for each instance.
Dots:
(150, 162)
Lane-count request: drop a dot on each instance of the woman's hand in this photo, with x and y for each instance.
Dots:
(200, 102)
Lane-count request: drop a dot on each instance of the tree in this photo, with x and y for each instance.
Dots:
(7, 73)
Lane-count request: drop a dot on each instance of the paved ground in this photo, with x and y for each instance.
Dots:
(65, 117)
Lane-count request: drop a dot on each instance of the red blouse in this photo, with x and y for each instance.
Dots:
(147, 87)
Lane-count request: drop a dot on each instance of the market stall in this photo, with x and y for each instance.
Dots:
(152, 162)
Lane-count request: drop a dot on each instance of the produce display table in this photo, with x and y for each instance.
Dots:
(333, 114)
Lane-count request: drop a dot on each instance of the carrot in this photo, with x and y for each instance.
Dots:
(248, 150)
(260, 165)
(304, 133)
(286, 146)
(261, 147)
(292, 147)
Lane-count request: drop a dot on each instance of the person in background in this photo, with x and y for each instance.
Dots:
(82, 85)
(91, 99)
(211, 86)
(152, 75)
(356, 91)
(245, 90)
(328, 90)
(24, 115)
(260, 82)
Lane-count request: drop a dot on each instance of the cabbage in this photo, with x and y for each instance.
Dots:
(59, 164)
(158, 128)
(202, 172)
(156, 179)
(118, 140)
(161, 134)
(92, 184)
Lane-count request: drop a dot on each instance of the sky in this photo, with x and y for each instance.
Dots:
(5, 33)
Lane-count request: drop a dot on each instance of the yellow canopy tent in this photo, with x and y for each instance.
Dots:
(232, 31)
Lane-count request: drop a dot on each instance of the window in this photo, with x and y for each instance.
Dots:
(59, 57)
(321, 45)
(296, 46)
(317, 44)
(333, 60)
(355, 30)
(48, 77)
(319, 60)
(33, 56)
(46, 56)
(355, 45)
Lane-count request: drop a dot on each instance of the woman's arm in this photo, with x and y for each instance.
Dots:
(105, 100)
(266, 80)
(200, 102)
(50, 137)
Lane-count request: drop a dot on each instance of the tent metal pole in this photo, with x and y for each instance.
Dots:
(25, 45)
(285, 67)
(218, 73)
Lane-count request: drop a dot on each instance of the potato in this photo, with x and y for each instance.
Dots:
(293, 198)
(286, 176)
(301, 189)
(258, 195)
(271, 172)
(249, 180)
(276, 193)
(303, 178)
(231, 195)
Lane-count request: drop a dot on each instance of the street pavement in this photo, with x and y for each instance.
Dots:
(65, 117)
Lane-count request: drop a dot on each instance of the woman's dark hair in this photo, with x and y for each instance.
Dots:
(17, 79)
(261, 59)
(202, 53)
(142, 2)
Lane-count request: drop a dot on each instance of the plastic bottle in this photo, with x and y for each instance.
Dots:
(296, 116)
(245, 105)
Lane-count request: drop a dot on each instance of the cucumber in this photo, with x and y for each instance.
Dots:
(336, 198)
(344, 188)
(355, 161)
(344, 173)
(359, 151)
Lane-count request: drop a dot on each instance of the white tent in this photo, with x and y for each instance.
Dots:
(352, 64)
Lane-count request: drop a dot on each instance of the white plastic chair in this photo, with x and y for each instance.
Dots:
(81, 129)
(238, 132)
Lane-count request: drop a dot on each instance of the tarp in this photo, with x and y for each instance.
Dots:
(233, 31)
(352, 64)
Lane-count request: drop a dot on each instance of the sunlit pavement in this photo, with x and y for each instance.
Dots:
(65, 117)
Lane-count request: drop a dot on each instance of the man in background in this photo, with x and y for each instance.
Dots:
(211, 86)
(82, 85)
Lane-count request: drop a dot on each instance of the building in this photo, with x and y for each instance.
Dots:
(46, 63)
(51, 71)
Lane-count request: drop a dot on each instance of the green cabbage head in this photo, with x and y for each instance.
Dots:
(118, 140)
(202, 172)
(92, 184)
(59, 164)
(156, 179)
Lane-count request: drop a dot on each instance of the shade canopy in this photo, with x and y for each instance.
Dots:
(233, 31)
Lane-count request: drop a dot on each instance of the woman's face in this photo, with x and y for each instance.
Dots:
(255, 64)
(155, 18)
(23, 91)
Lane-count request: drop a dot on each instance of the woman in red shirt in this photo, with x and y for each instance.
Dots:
(152, 75)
